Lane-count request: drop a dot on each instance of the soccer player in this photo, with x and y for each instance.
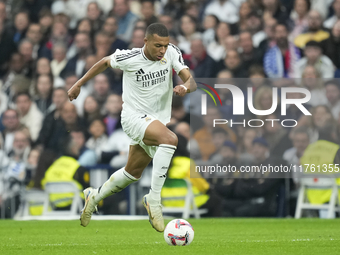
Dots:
(147, 97)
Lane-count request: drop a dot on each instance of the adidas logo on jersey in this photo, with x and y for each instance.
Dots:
(140, 71)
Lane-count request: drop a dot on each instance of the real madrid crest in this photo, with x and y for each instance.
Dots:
(163, 61)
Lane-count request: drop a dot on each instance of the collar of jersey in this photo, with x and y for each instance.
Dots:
(142, 49)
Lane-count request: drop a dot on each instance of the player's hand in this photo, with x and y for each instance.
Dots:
(74, 91)
(180, 91)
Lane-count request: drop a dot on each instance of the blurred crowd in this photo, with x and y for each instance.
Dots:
(46, 46)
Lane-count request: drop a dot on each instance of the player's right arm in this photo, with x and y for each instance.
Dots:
(97, 68)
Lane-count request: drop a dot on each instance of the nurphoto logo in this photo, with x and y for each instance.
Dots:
(239, 103)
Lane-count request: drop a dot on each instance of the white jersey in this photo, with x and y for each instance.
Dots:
(147, 85)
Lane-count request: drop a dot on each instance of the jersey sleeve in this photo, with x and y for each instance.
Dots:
(120, 59)
(177, 59)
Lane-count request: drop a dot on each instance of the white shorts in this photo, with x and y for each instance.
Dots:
(134, 125)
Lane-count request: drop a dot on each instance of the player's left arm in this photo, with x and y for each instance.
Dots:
(189, 83)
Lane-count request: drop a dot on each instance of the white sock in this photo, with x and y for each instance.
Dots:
(161, 162)
(117, 182)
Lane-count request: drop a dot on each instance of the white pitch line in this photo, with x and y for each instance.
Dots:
(48, 244)
(241, 241)
(61, 244)
(293, 240)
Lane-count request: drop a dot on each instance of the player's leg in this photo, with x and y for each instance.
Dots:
(159, 135)
(137, 161)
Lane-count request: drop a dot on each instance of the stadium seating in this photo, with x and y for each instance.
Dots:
(32, 203)
(317, 183)
(189, 207)
(62, 188)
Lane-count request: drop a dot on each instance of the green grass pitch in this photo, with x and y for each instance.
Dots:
(212, 236)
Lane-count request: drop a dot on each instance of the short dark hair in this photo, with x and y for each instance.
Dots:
(23, 12)
(93, 2)
(301, 130)
(45, 12)
(111, 16)
(313, 44)
(98, 119)
(60, 88)
(326, 131)
(139, 29)
(145, 1)
(50, 76)
(101, 33)
(254, 14)
(256, 69)
(23, 94)
(283, 25)
(79, 129)
(83, 33)
(219, 130)
(158, 29)
(70, 74)
(334, 82)
(32, 24)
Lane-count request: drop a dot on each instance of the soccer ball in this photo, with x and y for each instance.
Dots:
(178, 232)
